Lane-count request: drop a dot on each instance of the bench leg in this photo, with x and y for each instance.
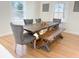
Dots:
(46, 48)
(60, 35)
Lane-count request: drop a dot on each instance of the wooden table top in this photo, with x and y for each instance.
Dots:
(38, 26)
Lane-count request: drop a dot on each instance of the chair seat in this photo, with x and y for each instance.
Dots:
(27, 38)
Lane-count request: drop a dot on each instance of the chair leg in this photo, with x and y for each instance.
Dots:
(15, 47)
(19, 50)
(24, 49)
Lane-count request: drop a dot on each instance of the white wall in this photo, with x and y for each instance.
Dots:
(71, 18)
(72, 23)
(48, 16)
(32, 9)
(5, 17)
(45, 16)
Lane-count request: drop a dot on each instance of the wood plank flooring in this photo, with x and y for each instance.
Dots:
(66, 47)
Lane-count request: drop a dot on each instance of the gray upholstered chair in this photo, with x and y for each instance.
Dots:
(38, 20)
(20, 37)
(28, 21)
(59, 29)
(58, 21)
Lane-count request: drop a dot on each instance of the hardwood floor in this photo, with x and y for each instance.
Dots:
(66, 47)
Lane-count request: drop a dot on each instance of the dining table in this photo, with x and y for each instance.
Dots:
(36, 27)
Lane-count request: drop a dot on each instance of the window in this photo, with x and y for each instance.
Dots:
(17, 10)
(59, 11)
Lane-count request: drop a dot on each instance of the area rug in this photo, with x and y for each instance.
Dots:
(4, 53)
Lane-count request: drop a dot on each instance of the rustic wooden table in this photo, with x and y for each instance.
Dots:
(35, 28)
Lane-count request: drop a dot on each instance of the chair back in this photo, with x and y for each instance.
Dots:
(57, 20)
(38, 20)
(28, 21)
(17, 32)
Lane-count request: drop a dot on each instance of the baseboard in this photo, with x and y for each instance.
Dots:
(4, 34)
(76, 33)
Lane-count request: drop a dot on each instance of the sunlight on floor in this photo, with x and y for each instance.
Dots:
(4, 53)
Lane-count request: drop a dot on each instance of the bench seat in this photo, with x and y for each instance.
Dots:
(50, 36)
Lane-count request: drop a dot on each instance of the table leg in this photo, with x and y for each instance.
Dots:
(45, 45)
(34, 44)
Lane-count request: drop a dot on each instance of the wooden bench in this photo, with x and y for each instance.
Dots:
(49, 37)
